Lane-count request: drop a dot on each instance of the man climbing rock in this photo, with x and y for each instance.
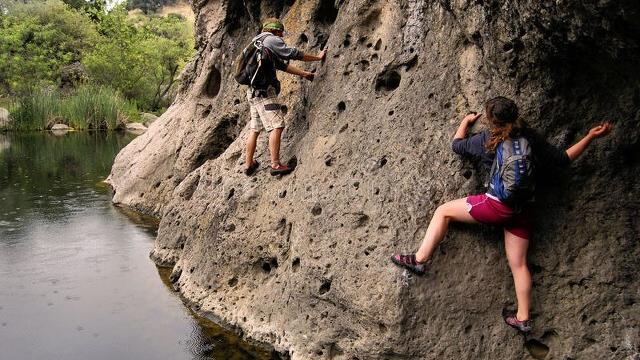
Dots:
(264, 87)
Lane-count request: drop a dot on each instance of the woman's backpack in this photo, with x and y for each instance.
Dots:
(249, 61)
(512, 174)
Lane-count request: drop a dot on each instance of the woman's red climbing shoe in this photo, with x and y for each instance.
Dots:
(252, 168)
(409, 262)
(524, 326)
(281, 170)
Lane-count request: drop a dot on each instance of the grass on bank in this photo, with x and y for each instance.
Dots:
(89, 107)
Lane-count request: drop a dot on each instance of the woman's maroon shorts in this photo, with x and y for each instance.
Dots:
(486, 210)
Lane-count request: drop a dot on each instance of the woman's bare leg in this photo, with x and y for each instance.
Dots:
(455, 210)
(516, 248)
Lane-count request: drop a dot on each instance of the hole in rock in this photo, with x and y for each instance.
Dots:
(284, 109)
(326, 12)
(269, 264)
(363, 65)
(388, 80)
(391, 113)
(374, 57)
(218, 140)
(378, 45)
(236, 102)
(411, 63)
(316, 210)
(233, 282)
(303, 38)
(382, 162)
(207, 111)
(295, 264)
(537, 349)
(328, 161)
(346, 43)
(467, 174)
(212, 86)
(341, 106)
(231, 193)
(325, 287)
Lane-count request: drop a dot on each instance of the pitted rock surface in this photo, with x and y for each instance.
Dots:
(302, 261)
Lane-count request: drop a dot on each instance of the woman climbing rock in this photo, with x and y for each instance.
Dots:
(514, 153)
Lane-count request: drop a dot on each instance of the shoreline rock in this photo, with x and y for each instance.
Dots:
(135, 128)
(60, 129)
(5, 118)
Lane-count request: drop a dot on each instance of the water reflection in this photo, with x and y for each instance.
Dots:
(75, 278)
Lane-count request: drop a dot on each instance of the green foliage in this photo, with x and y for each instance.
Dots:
(35, 111)
(148, 6)
(90, 107)
(37, 40)
(93, 107)
(140, 59)
(98, 5)
(138, 56)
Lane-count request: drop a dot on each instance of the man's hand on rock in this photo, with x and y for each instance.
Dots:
(309, 76)
(322, 55)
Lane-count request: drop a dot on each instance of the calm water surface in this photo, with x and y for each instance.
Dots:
(76, 281)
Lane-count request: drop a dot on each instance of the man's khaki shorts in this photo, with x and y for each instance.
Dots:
(266, 112)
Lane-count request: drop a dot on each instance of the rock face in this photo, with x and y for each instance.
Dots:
(302, 262)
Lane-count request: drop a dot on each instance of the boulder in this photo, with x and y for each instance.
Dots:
(60, 129)
(302, 261)
(148, 118)
(135, 128)
(72, 76)
(4, 118)
(5, 143)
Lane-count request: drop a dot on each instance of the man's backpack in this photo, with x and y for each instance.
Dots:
(512, 174)
(249, 61)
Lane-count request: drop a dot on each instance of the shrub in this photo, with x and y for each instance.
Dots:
(89, 107)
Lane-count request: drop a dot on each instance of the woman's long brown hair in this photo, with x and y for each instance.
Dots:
(502, 114)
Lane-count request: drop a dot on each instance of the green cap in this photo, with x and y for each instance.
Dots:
(273, 25)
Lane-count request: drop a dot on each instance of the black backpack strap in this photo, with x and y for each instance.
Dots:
(258, 44)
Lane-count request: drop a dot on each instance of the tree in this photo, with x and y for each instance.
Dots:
(141, 60)
(37, 40)
(148, 6)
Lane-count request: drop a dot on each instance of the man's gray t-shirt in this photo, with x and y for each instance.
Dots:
(275, 56)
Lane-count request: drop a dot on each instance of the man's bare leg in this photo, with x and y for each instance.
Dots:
(274, 146)
(252, 141)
